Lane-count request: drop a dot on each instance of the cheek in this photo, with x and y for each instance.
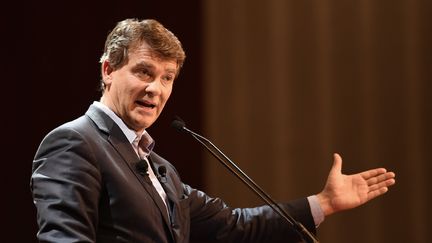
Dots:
(166, 93)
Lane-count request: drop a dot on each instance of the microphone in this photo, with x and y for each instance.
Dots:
(178, 124)
(162, 174)
(142, 167)
(304, 233)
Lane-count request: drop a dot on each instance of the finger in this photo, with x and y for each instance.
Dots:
(337, 164)
(380, 178)
(375, 193)
(386, 183)
(373, 172)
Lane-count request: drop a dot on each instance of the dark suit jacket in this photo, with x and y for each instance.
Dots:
(86, 189)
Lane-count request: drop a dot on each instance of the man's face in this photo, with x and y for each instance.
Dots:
(138, 91)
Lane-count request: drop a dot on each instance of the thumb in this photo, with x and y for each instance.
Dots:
(337, 164)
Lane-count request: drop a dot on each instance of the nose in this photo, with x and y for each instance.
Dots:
(154, 88)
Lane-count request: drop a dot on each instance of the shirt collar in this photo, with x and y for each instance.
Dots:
(130, 134)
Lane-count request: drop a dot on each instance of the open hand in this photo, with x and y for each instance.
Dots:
(343, 192)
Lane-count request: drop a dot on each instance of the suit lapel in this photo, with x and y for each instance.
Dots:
(167, 186)
(115, 135)
(172, 196)
(120, 143)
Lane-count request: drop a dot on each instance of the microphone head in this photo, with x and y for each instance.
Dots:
(142, 166)
(178, 124)
(162, 174)
(162, 170)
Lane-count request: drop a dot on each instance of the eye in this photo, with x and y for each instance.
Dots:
(144, 74)
(168, 78)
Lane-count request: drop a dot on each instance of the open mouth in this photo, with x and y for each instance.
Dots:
(145, 104)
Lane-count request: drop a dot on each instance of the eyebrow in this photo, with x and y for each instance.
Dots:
(144, 64)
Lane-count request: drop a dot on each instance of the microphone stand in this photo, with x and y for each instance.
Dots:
(233, 168)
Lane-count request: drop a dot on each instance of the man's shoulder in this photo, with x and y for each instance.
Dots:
(81, 125)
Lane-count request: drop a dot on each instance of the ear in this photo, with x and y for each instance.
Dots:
(106, 72)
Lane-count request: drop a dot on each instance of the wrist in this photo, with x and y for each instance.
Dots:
(325, 203)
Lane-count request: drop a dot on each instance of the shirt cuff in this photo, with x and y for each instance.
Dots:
(316, 210)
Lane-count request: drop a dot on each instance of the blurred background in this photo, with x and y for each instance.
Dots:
(279, 86)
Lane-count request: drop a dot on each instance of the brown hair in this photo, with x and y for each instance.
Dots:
(129, 33)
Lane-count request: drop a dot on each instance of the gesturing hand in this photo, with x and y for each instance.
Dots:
(343, 192)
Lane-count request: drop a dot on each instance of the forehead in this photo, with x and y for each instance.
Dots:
(142, 52)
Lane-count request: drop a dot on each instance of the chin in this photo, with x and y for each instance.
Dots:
(148, 122)
(140, 123)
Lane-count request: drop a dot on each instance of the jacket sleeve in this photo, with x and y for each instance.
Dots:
(65, 185)
(212, 219)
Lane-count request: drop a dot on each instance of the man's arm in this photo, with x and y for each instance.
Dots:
(65, 187)
(213, 220)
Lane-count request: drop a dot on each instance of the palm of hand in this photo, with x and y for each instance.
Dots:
(343, 192)
(347, 191)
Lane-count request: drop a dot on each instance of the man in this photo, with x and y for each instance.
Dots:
(97, 179)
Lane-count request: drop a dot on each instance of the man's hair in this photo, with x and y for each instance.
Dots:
(130, 33)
